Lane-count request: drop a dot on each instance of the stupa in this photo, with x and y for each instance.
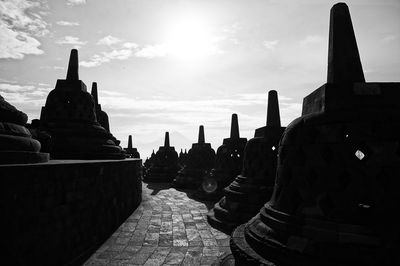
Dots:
(16, 143)
(148, 163)
(244, 197)
(165, 165)
(101, 116)
(183, 157)
(131, 152)
(228, 164)
(69, 115)
(335, 200)
(200, 160)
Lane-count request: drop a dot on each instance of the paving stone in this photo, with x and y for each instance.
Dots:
(208, 260)
(168, 228)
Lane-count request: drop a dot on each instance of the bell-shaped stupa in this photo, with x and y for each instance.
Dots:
(200, 160)
(228, 164)
(69, 115)
(335, 200)
(244, 197)
(164, 164)
(131, 152)
(183, 158)
(16, 143)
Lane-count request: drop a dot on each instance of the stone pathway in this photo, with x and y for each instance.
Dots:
(168, 228)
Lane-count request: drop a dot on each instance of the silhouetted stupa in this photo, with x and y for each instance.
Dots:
(101, 116)
(164, 165)
(228, 165)
(131, 152)
(200, 160)
(335, 200)
(16, 143)
(69, 115)
(183, 158)
(244, 197)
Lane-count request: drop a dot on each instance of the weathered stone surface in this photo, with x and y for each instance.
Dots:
(335, 200)
(228, 164)
(200, 160)
(16, 142)
(244, 197)
(164, 165)
(69, 115)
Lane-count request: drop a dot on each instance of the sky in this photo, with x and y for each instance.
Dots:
(172, 65)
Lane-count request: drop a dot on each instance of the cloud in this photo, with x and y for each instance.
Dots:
(270, 45)
(67, 23)
(71, 40)
(76, 2)
(27, 98)
(20, 26)
(151, 51)
(130, 45)
(105, 57)
(311, 39)
(108, 40)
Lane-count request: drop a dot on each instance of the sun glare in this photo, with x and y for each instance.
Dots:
(190, 38)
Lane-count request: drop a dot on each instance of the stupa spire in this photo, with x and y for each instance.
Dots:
(166, 140)
(235, 127)
(344, 64)
(73, 66)
(130, 142)
(94, 93)
(201, 135)
(273, 117)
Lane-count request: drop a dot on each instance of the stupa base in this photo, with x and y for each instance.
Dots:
(23, 157)
(243, 253)
(220, 225)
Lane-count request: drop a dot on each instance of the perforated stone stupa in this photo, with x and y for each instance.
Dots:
(244, 197)
(164, 165)
(183, 155)
(69, 115)
(131, 152)
(16, 143)
(228, 164)
(335, 200)
(200, 160)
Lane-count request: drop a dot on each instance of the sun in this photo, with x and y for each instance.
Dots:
(190, 38)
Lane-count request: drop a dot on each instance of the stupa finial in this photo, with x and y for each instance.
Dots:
(201, 135)
(273, 117)
(73, 66)
(344, 64)
(166, 140)
(130, 142)
(94, 93)
(235, 127)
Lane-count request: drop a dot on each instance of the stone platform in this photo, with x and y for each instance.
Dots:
(168, 228)
(60, 212)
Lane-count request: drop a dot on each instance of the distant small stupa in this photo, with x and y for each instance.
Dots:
(200, 160)
(164, 165)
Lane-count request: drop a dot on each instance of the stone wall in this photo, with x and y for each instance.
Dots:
(57, 213)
